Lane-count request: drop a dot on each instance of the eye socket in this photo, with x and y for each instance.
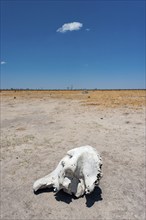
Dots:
(96, 182)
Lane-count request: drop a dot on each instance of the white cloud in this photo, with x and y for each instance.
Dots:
(87, 29)
(73, 26)
(3, 62)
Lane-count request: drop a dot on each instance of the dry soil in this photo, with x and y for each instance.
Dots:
(39, 127)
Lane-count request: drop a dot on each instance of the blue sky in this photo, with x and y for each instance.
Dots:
(101, 45)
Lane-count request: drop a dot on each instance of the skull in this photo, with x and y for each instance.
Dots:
(78, 173)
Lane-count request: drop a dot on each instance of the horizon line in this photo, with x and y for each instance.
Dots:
(27, 89)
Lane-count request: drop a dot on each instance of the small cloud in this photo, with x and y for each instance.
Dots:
(3, 62)
(87, 29)
(73, 26)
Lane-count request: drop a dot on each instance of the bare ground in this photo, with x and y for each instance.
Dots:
(38, 129)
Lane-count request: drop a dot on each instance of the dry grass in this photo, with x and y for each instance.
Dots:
(100, 98)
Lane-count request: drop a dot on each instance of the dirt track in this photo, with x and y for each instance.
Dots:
(38, 128)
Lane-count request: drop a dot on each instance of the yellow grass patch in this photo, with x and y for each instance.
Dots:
(100, 98)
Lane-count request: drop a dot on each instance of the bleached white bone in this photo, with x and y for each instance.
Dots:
(77, 173)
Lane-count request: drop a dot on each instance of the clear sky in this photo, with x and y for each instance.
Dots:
(86, 44)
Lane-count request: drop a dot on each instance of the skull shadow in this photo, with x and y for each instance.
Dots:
(61, 196)
(95, 196)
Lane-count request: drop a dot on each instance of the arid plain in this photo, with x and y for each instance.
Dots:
(39, 127)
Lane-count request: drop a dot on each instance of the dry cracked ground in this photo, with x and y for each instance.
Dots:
(38, 128)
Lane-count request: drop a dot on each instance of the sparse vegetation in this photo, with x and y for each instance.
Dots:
(101, 98)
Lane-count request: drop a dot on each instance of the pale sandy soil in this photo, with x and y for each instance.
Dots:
(38, 128)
